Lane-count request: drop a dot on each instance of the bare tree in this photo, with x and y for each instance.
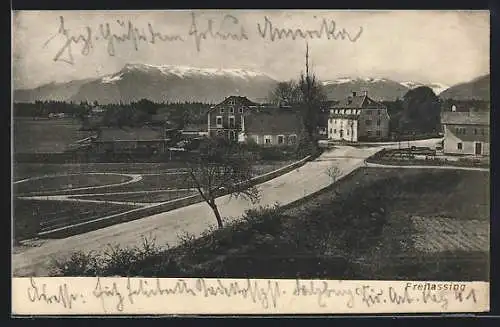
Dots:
(286, 93)
(333, 172)
(312, 98)
(222, 168)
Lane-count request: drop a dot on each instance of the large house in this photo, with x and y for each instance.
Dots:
(466, 133)
(227, 119)
(272, 127)
(357, 118)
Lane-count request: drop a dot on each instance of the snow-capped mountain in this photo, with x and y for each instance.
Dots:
(378, 88)
(436, 87)
(158, 83)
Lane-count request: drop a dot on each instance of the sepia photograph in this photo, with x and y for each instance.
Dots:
(204, 146)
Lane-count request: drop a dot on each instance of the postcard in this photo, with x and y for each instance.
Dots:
(250, 162)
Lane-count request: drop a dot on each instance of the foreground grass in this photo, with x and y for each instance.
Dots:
(358, 229)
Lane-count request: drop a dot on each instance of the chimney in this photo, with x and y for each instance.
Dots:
(353, 94)
(349, 99)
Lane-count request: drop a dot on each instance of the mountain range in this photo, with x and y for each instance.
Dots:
(168, 83)
(477, 89)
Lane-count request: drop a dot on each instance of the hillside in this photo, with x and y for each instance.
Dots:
(477, 89)
(381, 89)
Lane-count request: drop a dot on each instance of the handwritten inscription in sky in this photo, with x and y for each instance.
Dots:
(111, 34)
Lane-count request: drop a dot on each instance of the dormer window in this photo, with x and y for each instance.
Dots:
(232, 102)
(241, 110)
(221, 110)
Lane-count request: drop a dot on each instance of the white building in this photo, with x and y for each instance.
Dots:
(358, 118)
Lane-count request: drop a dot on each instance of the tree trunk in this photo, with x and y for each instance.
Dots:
(217, 214)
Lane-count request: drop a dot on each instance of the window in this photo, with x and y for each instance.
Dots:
(281, 139)
(459, 146)
(464, 131)
(348, 111)
(378, 133)
(232, 135)
(368, 122)
(232, 102)
(347, 132)
(231, 110)
(221, 110)
(475, 131)
(267, 139)
(378, 122)
(231, 122)
(240, 110)
(218, 121)
(378, 112)
(292, 139)
(330, 131)
(335, 131)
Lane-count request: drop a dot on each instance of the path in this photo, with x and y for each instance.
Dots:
(194, 219)
(133, 179)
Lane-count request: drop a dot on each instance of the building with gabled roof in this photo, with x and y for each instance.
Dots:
(466, 133)
(357, 118)
(147, 139)
(272, 127)
(227, 119)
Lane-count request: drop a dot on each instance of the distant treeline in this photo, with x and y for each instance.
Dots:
(118, 114)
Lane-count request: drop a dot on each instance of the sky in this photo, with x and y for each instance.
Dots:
(446, 47)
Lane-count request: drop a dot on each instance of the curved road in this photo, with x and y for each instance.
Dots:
(194, 219)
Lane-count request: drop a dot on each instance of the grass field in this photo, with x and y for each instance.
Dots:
(54, 214)
(76, 181)
(367, 226)
(46, 136)
(68, 182)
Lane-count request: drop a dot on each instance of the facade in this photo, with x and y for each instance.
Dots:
(131, 140)
(466, 133)
(272, 127)
(358, 118)
(227, 119)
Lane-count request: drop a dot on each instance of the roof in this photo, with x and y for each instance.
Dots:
(240, 101)
(465, 118)
(357, 102)
(195, 128)
(130, 134)
(273, 123)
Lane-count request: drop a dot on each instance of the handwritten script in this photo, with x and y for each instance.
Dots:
(228, 28)
(117, 295)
